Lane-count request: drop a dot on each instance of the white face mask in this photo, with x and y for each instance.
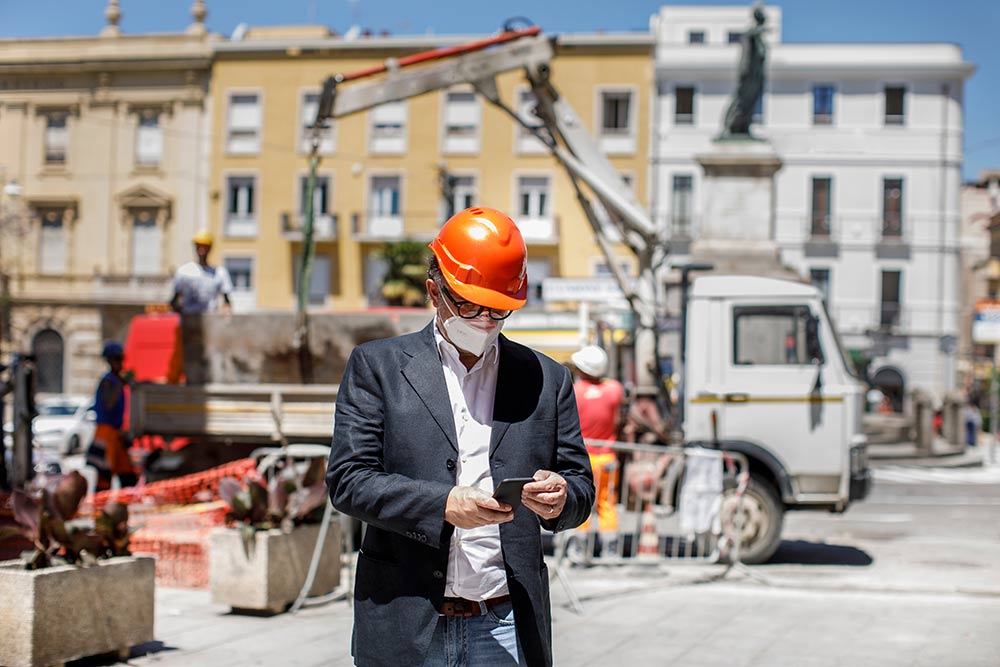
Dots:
(472, 336)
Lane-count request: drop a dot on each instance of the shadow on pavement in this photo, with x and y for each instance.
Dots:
(149, 648)
(800, 552)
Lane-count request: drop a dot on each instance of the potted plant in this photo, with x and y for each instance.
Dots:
(78, 592)
(260, 560)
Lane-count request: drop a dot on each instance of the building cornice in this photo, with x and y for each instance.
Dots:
(224, 49)
(87, 54)
(865, 60)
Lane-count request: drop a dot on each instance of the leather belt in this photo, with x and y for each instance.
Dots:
(466, 608)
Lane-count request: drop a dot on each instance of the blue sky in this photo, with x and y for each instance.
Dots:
(973, 24)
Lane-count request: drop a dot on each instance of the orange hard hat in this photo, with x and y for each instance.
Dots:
(483, 258)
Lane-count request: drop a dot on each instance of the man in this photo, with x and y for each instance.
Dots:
(198, 286)
(599, 402)
(108, 453)
(427, 425)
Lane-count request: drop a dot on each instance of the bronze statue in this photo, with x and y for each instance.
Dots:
(751, 80)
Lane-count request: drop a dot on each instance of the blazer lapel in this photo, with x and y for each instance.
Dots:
(503, 401)
(426, 376)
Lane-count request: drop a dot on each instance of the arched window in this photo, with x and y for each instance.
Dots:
(890, 382)
(47, 346)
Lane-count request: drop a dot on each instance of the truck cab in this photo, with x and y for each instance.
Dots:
(766, 376)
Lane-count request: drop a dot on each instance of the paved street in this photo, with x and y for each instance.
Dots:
(910, 577)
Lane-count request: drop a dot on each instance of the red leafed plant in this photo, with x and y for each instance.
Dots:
(47, 516)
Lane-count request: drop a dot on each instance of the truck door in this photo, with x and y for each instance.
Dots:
(780, 394)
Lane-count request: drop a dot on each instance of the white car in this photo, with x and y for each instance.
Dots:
(64, 424)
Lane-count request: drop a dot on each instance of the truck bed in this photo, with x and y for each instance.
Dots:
(237, 413)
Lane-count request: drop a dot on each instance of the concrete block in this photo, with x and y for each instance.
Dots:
(270, 578)
(63, 613)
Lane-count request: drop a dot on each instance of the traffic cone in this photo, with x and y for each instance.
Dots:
(649, 541)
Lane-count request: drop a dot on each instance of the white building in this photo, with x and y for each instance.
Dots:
(867, 199)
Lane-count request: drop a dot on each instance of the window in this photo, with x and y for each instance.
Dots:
(539, 268)
(758, 110)
(307, 116)
(148, 139)
(56, 137)
(895, 111)
(534, 209)
(461, 122)
(771, 336)
(52, 241)
(684, 105)
(533, 194)
(319, 279)
(680, 205)
(526, 141)
(823, 105)
(243, 297)
(615, 107)
(241, 206)
(384, 207)
(323, 222)
(696, 37)
(820, 279)
(244, 123)
(146, 243)
(388, 123)
(463, 193)
(321, 201)
(892, 208)
(48, 348)
(819, 218)
(375, 269)
(890, 306)
(734, 37)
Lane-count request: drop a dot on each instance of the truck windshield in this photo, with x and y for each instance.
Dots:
(848, 364)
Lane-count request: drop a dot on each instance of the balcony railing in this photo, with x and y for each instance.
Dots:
(325, 227)
(94, 288)
(241, 225)
(539, 230)
(893, 229)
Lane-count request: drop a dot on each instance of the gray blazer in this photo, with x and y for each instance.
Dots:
(392, 465)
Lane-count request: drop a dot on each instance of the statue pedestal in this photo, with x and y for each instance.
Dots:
(736, 232)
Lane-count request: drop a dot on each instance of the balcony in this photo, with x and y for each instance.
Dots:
(93, 289)
(325, 227)
(241, 226)
(541, 230)
(893, 234)
(821, 235)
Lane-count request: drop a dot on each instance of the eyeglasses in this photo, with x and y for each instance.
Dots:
(470, 311)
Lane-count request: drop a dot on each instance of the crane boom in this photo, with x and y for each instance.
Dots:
(560, 129)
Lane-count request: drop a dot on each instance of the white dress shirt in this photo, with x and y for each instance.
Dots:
(475, 562)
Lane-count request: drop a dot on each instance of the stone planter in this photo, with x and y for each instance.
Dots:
(62, 613)
(271, 577)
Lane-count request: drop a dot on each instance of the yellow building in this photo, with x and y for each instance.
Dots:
(380, 177)
(103, 180)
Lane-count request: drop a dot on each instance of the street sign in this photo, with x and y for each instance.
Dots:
(590, 290)
(986, 323)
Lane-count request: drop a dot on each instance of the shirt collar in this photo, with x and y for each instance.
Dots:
(490, 356)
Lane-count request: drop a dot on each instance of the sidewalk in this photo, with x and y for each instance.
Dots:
(635, 615)
(944, 454)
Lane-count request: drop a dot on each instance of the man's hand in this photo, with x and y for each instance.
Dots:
(546, 496)
(469, 507)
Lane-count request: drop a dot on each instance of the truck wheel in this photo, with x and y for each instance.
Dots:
(762, 518)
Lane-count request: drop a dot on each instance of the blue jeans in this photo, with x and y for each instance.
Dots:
(488, 640)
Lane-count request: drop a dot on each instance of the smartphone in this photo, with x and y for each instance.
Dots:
(509, 490)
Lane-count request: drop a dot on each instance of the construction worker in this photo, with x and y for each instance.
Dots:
(198, 288)
(198, 285)
(428, 425)
(108, 453)
(599, 402)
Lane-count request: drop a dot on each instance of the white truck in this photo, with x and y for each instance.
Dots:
(765, 372)
(766, 376)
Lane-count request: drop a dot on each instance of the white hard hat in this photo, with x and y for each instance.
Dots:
(591, 360)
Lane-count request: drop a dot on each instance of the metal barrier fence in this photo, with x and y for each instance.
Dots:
(657, 505)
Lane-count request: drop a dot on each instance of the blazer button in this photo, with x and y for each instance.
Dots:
(450, 464)
(438, 574)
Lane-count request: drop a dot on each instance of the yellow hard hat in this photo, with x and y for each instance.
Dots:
(203, 237)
